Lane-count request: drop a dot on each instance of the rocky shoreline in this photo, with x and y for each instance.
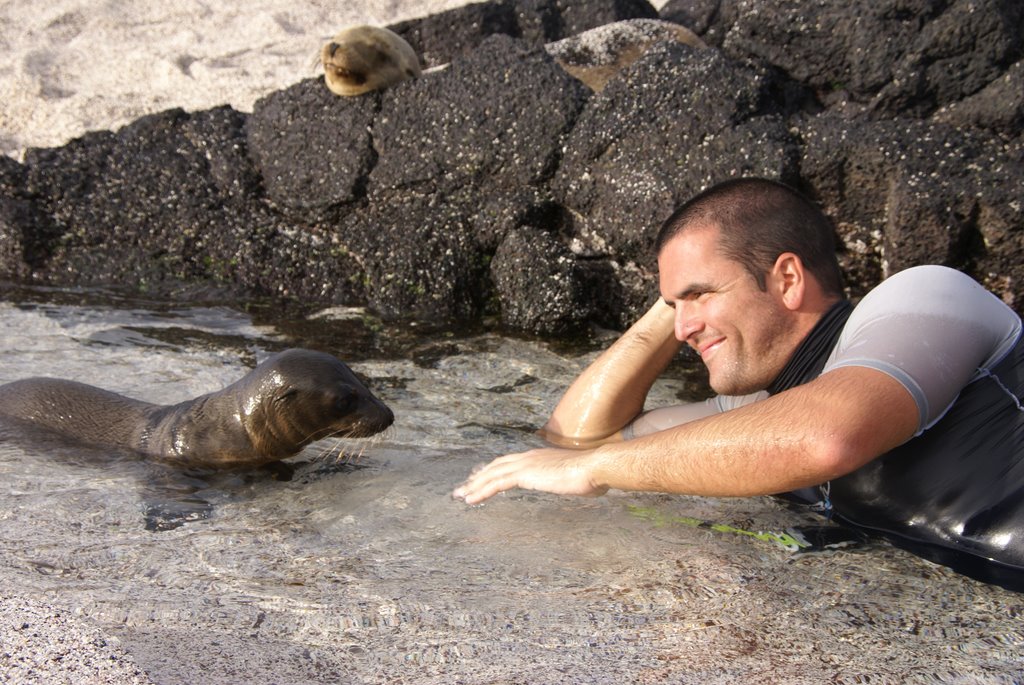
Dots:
(498, 184)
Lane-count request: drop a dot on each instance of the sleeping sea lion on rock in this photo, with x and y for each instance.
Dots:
(364, 58)
(600, 54)
(289, 401)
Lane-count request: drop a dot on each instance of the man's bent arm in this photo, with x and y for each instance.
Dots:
(612, 390)
(798, 438)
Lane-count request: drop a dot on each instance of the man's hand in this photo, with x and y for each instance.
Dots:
(561, 471)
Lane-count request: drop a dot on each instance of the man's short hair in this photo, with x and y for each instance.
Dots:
(758, 220)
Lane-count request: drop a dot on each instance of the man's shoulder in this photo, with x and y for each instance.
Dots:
(928, 278)
(930, 286)
(933, 293)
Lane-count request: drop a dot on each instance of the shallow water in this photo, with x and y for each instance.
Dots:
(363, 569)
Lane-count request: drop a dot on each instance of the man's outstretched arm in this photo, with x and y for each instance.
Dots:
(798, 438)
(612, 390)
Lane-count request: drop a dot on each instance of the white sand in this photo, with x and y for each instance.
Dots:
(77, 65)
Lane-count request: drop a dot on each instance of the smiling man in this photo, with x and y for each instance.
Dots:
(900, 416)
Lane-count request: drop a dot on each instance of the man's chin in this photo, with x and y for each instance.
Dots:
(732, 386)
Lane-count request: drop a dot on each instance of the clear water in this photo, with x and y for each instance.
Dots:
(363, 569)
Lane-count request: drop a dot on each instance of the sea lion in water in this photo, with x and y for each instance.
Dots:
(364, 58)
(289, 401)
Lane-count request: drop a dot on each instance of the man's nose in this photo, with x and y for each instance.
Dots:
(688, 321)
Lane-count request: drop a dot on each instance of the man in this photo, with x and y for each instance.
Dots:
(900, 416)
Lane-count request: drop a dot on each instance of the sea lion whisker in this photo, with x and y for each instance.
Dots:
(346, 456)
(372, 441)
(357, 457)
(331, 452)
(334, 452)
(336, 446)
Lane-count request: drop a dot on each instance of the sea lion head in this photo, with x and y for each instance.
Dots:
(364, 58)
(299, 396)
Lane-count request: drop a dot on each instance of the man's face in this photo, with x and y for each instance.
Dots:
(743, 334)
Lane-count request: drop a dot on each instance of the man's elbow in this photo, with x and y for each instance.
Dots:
(575, 440)
(840, 453)
(857, 415)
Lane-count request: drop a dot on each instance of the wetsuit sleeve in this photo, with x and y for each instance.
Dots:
(933, 329)
(663, 418)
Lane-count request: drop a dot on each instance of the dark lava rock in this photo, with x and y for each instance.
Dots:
(219, 134)
(540, 286)
(497, 116)
(26, 236)
(419, 258)
(500, 183)
(577, 16)
(15, 219)
(601, 54)
(957, 54)
(168, 202)
(907, 192)
(629, 159)
(313, 148)
(696, 15)
(308, 263)
(440, 38)
(852, 46)
(137, 205)
(902, 56)
(12, 176)
(497, 212)
(998, 107)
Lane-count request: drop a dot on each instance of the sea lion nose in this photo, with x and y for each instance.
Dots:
(380, 414)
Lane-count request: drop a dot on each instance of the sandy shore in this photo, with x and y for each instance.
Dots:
(78, 65)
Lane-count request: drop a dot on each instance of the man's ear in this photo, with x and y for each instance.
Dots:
(790, 280)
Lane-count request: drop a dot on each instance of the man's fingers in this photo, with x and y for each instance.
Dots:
(484, 482)
(476, 492)
(549, 470)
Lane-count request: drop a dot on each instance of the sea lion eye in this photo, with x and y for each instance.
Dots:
(345, 401)
(288, 395)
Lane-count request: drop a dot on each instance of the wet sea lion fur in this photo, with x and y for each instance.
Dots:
(289, 401)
